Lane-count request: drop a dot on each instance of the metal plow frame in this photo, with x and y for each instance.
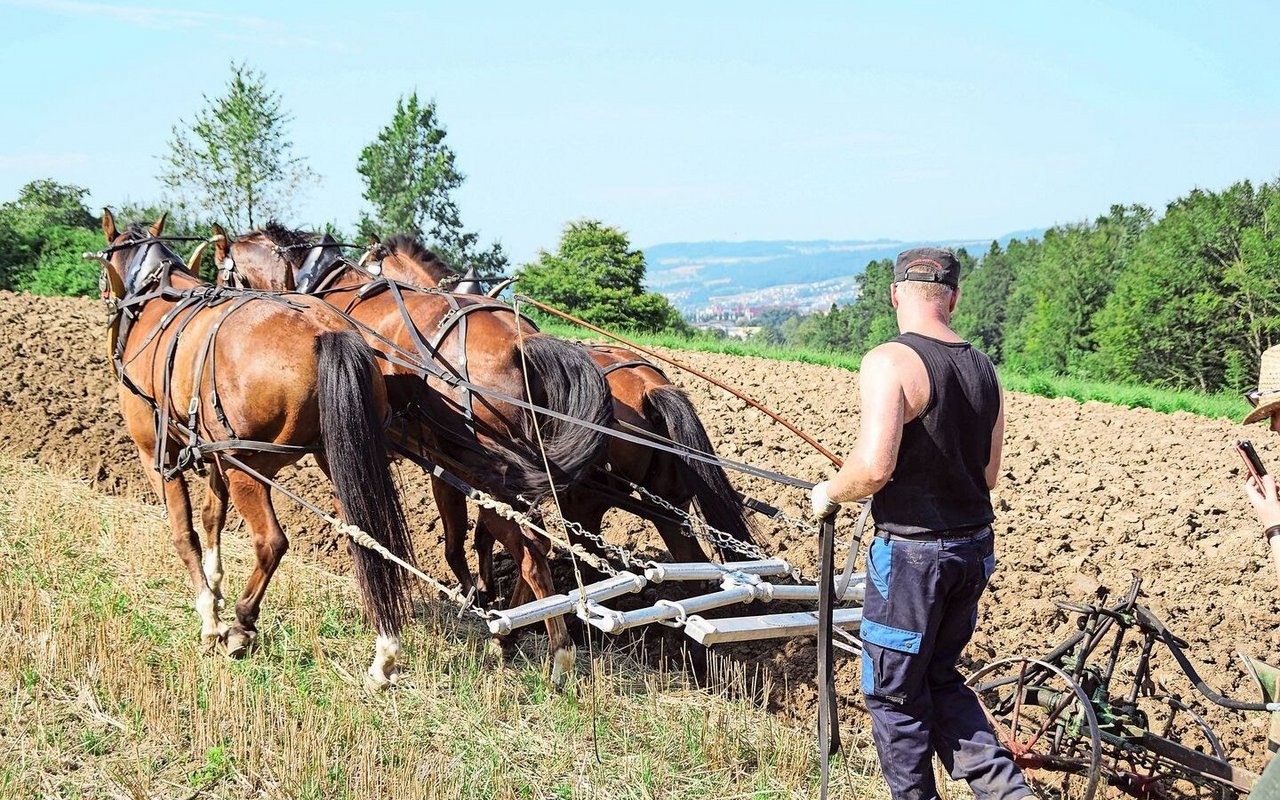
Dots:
(740, 582)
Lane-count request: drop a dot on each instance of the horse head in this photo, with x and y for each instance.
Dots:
(253, 260)
(276, 258)
(136, 257)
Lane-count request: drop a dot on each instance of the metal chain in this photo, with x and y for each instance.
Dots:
(619, 554)
(507, 511)
(700, 529)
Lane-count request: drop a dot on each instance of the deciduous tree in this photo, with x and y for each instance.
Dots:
(235, 160)
(596, 275)
(410, 175)
(43, 233)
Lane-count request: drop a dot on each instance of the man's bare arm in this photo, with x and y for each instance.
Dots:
(870, 465)
(997, 446)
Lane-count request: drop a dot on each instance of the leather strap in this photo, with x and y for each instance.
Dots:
(635, 364)
(828, 713)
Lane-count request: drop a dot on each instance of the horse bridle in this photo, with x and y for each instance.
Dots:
(145, 265)
(309, 278)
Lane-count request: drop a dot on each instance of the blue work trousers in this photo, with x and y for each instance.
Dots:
(921, 610)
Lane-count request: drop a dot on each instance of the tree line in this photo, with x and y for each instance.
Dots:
(234, 163)
(1187, 301)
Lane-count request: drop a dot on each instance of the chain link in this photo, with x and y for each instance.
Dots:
(619, 554)
(700, 529)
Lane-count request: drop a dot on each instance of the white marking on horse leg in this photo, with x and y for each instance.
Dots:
(212, 564)
(384, 670)
(211, 629)
(562, 663)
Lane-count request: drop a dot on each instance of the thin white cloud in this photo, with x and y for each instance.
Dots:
(37, 162)
(239, 26)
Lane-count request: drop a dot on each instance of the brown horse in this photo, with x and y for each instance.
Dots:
(645, 401)
(208, 376)
(480, 353)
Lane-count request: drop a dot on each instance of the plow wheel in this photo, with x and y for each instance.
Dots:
(1046, 721)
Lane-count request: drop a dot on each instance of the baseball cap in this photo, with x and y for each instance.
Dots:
(929, 264)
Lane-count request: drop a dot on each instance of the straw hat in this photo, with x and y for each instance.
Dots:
(1269, 382)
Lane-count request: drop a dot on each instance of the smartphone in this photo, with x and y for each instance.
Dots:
(1251, 460)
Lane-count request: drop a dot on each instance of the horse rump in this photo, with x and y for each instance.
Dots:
(563, 378)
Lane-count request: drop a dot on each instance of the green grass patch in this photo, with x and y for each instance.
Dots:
(1168, 401)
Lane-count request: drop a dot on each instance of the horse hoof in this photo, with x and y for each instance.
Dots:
(562, 665)
(498, 649)
(377, 684)
(209, 642)
(383, 678)
(238, 642)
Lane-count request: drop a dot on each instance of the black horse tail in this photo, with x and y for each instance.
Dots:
(667, 407)
(563, 378)
(351, 431)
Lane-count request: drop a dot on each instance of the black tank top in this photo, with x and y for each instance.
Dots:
(939, 483)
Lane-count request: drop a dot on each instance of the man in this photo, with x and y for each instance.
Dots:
(928, 453)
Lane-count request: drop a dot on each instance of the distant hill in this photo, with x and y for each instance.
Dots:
(715, 279)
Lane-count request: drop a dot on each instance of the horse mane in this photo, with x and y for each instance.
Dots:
(285, 237)
(411, 247)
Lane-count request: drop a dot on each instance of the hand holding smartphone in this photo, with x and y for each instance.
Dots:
(1251, 460)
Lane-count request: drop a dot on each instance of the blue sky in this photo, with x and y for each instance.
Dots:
(680, 121)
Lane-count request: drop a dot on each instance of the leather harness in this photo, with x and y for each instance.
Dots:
(427, 365)
(149, 267)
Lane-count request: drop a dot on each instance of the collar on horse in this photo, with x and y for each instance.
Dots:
(319, 268)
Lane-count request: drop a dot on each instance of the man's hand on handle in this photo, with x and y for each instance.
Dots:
(821, 505)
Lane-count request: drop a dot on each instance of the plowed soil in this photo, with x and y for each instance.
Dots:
(1089, 495)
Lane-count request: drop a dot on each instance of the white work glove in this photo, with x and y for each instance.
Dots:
(821, 503)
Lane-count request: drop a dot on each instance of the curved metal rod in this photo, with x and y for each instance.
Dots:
(1170, 641)
(760, 406)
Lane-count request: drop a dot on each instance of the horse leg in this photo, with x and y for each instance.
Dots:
(384, 669)
(214, 517)
(483, 544)
(679, 541)
(452, 506)
(253, 500)
(536, 572)
(177, 504)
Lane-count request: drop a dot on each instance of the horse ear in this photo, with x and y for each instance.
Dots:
(109, 226)
(221, 242)
(374, 240)
(157, 227)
